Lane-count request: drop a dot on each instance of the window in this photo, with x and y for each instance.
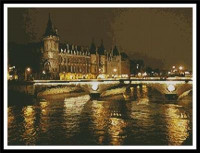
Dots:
(71, 69)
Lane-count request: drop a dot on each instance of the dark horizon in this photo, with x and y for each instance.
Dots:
(155, 35)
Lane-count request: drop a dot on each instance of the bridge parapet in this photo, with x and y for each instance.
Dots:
(99, 86)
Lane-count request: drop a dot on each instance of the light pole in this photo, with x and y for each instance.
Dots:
(27, 71)
(115, 70)
(43, 74)
(180, 70)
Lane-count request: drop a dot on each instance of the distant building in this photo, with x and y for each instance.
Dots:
(70, 61)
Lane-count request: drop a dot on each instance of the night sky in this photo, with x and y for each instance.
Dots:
(155, 35)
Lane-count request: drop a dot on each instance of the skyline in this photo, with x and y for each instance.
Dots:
(150, 39)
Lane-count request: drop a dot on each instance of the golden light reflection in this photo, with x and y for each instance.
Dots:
(100, 119)
(10, 116)
(72, 113)
(116, 130)
(177, 125)
(43, 116)
(43, 106)
(143, 98)
(138, 92)
(29, 130)
(141, 112)
(132, 91)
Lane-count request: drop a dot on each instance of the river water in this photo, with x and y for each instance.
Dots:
(132, 118)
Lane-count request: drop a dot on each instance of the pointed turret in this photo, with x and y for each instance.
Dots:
(115, 51)
(101, 49)
(49, 29)
(92, 48)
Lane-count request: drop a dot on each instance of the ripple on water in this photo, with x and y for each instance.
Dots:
(81, 120)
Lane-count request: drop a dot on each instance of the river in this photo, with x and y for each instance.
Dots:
(133, 118)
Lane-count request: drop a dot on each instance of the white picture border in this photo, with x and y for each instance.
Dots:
(131, 5)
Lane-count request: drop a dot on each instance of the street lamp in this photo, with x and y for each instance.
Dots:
(27, 71)
(115, 70)
(180, 68)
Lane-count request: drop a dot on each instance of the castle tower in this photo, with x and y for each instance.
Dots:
(114, 63)
(102, 59)
(116, 59)
(93, 58)
(50, 51)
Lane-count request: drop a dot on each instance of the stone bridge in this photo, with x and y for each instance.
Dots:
(165, 87)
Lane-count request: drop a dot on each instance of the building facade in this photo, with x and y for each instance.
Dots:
(69, 61)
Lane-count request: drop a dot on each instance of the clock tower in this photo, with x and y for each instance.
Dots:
(50, 51)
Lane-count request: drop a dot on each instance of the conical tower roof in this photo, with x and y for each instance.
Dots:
(115, 51)
(92, 48)
(101, 49)
(49, 29)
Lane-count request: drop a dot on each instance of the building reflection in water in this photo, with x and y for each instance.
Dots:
(99, 117)
(108, 121)
(11, 116)
(12, 125)
(116, 130)
(72, 113)
(136, 120)
(44, 120)
(140, 111)
(177, 125)
(143, 98)
(29, 135)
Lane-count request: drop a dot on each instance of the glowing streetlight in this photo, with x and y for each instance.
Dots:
(180, 68)
(27, 72)
(28, 69)
(173, 67)
(115, 70)
(43, 72)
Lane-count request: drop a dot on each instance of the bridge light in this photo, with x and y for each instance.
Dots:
(95, 86)
(171, 88)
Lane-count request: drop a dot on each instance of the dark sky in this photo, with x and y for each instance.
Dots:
(156, 35)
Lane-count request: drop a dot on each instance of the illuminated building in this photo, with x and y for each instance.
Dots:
(69, 61)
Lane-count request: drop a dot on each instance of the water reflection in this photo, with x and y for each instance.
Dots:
(99, 116)
(116, 131)
(133, 120)
(29, 135)
(10, 116)
(177, 125)
(143, 98)
(43, 116)
(72, 114)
